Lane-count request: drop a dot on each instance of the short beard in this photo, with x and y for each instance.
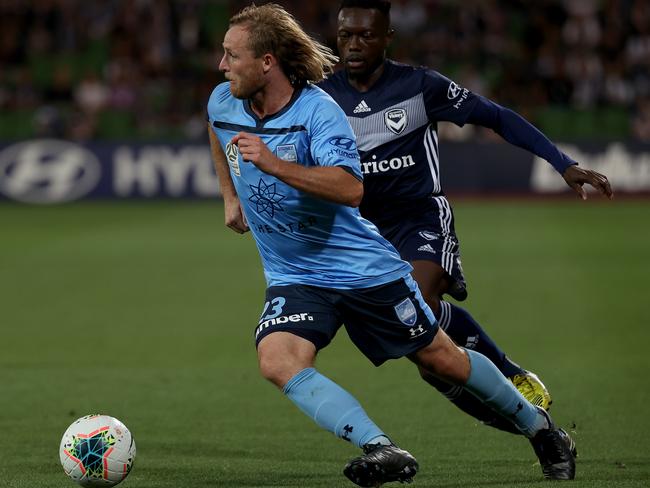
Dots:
(247, 95)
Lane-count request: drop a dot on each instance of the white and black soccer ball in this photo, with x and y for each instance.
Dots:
(97, 450)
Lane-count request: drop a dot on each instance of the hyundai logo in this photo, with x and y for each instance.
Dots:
(453, 91)
(47, 171)
(343, 142)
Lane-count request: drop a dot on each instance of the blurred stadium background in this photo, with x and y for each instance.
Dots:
(120, 78)
(142, 69)
(134, 300)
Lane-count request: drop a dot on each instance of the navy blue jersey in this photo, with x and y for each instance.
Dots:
(303, 239)
(396, 127)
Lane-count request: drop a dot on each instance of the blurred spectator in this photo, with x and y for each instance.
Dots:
(641, 123)
(144, 69)
(91, 94)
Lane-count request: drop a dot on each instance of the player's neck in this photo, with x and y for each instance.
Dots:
(272, 98)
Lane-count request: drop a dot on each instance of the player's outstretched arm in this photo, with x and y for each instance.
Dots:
(233, 215)
(518, 131)
(576, 177)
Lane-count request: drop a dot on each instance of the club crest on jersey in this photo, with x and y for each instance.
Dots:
(406, 312)
(232, 155)
(287, 152)
(396, 120)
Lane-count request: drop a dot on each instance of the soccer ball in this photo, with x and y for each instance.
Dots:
(97, 450)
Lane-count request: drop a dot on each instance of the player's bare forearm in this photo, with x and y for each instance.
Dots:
(221, 167)
(576, 177)
(327, 182)
(233, 216)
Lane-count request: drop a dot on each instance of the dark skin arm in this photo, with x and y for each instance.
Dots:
(576, 177)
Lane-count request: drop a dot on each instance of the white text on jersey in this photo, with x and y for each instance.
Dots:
(385, 165)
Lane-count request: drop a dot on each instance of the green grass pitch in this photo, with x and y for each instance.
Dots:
(145, 312)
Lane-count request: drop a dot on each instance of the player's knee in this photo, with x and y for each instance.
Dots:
(444, 360)
(274, 370)
(282, 356)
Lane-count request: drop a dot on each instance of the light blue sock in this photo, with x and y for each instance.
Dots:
(332, 407)
(488, 384)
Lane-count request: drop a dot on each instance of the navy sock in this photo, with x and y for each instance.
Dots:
(471, 405)
(333, 408)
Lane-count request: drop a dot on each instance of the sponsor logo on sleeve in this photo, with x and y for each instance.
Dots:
(456, 92)
(453, 91)
(344, 147)
(344, 143)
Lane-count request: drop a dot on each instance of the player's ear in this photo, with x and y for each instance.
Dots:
(268, 61)
(389, 36)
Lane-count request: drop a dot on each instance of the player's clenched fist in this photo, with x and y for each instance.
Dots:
(253, 149)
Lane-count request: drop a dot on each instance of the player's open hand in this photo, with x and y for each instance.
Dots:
(576, 177)
(234, 216)
(253, 150)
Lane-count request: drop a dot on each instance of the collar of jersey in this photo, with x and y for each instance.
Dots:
(260, 122)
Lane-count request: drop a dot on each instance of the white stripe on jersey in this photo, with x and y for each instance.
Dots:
(431, 148)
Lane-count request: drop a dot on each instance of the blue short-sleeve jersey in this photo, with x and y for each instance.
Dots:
(303, 239)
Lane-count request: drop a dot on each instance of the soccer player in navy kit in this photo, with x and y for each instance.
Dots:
(289, 171)
(394, 109)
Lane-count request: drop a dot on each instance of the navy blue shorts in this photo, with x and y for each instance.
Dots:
(384, 322)
(429, 236)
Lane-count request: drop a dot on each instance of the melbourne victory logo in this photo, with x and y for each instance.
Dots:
(396, 120)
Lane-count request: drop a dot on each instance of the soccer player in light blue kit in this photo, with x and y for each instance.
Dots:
(290, 172)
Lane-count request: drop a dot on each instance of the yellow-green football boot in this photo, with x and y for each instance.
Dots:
(533, 390)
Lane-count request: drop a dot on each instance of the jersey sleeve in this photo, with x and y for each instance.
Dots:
(332, 141)
(217, 98)
(445, 100)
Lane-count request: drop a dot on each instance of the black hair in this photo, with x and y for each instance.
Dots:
(382, 5)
